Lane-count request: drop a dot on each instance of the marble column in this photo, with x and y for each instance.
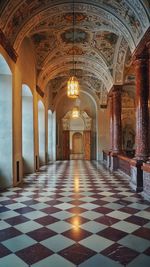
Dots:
(142, 113)
(116, 126)
(142, 123)
(110, 102)
(111, 121)
(146, 166)
(148, 50)
(117, 135)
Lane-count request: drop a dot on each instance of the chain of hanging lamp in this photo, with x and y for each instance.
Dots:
(73, 85)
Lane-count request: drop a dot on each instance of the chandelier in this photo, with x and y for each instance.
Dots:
(73, 84)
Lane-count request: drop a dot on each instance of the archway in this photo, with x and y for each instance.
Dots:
(41, 130)
(89, 115)
(27, 130)
(76, 136)
(5, 124)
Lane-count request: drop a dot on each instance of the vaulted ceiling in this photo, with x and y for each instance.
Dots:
(105, 32)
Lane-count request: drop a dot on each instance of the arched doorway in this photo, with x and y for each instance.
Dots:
(41, 130)
(76, 136)
(5, 124)
(27, 130)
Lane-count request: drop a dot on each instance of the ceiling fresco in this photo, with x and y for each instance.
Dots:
(106, 32)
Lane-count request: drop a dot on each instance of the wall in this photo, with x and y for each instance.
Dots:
(24, 73)
(103, 131)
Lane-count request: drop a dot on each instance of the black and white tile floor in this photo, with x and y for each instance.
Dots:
(74, 213)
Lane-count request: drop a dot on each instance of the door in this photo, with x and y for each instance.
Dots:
(77, 143)
(65, 148)
(87, 145)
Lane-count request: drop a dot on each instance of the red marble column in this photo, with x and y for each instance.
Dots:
(142, 113)
(111, 121)
(148, 49)
(117, 132)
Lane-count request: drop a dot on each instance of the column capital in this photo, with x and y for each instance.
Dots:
(140, 60)
(116, 92)
(117, 87)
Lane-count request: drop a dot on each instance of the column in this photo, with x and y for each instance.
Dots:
(111, 121)
(142, 123)
(148, 50)
(110, 102)
(117, 135)
(115, 125)
(142, 113)
(146, 166)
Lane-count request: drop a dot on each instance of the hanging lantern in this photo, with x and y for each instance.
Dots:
(73, 84)
(73, 87)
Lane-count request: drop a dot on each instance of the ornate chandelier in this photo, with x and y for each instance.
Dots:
(73, 84)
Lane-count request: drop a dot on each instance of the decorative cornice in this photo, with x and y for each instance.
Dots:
(39, 91)
(8, 47)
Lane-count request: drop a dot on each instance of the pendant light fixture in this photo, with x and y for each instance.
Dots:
(73, 84)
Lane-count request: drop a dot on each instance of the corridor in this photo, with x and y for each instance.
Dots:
(74, 213)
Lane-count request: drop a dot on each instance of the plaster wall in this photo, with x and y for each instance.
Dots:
(24, 73)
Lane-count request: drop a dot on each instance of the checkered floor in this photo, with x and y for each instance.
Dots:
(74, 213)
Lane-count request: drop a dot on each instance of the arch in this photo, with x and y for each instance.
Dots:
(95, 129)
(108, 13)
(86, 92)
(41, 131)
(50, 72)
(6, 169)
(27, 130)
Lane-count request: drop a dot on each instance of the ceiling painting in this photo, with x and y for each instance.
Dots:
(105, 35)
(74, 36)
(44, 43)
(106, 42)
